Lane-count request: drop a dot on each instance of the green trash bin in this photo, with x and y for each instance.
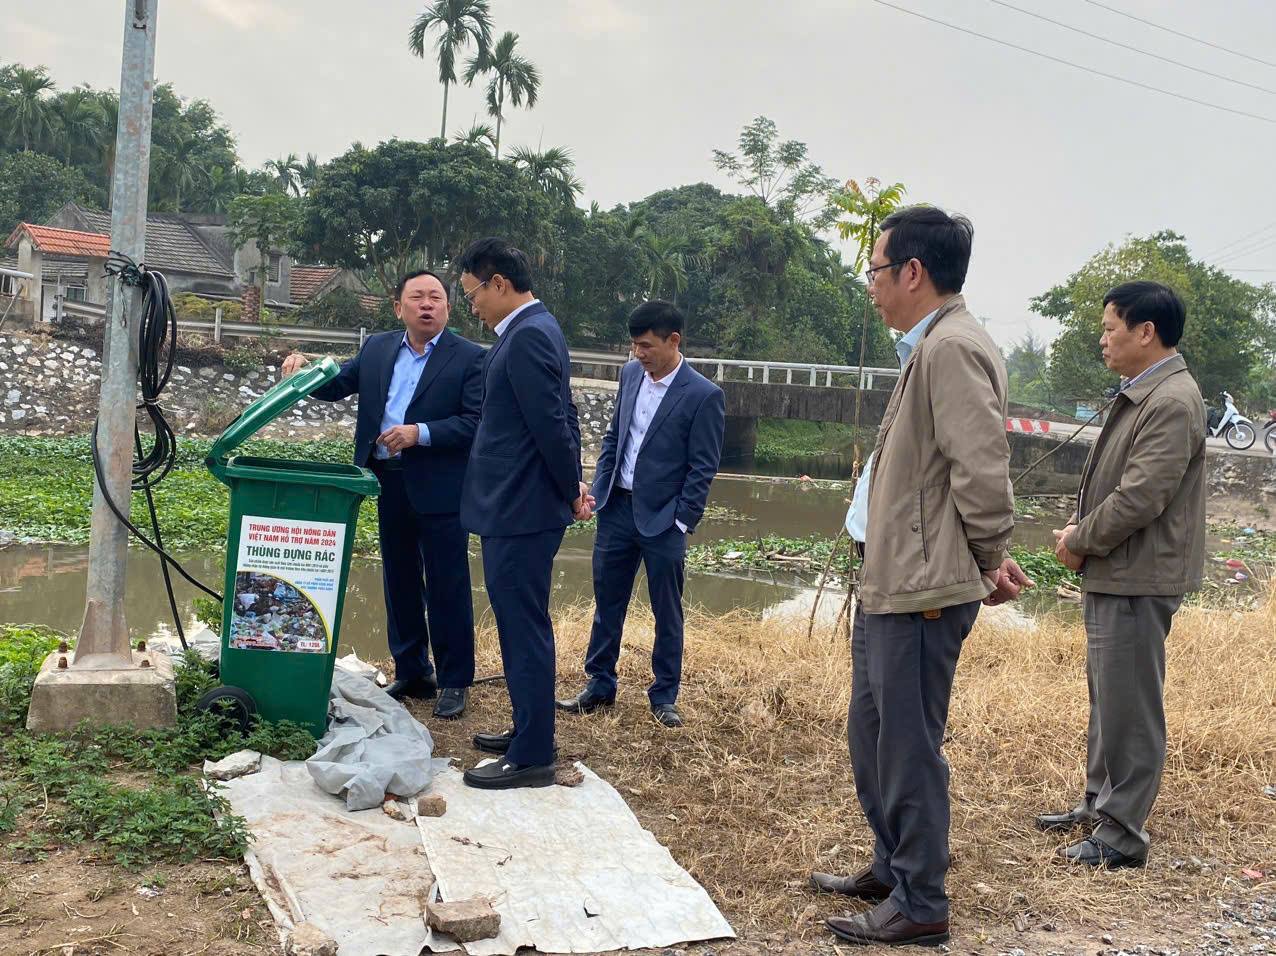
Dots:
(288, 544)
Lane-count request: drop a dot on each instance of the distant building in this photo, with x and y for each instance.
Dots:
(66, 256)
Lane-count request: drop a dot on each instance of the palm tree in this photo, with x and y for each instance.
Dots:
(180, 167)
(666, 261)
(25, 110)
(551, 170)
(287, 171)
(223, 187)
(109, 104)
(480, 134)
(308, 171)
(512, 75)
(80, 121)
(458, 22)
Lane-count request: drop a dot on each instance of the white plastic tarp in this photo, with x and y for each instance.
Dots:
(570, 869)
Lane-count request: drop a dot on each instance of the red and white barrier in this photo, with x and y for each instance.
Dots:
(1030, 426)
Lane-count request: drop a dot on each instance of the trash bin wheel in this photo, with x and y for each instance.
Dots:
(233, 704)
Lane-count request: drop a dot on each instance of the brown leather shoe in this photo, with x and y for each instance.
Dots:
(863, 885)
(887, 925)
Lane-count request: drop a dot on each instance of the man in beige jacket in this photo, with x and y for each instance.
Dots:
(1138, 539)
(934, 512)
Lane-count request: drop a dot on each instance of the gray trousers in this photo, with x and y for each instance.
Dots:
(902, 668)
(1125, 754)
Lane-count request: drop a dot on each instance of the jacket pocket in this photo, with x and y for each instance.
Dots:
(919, 523)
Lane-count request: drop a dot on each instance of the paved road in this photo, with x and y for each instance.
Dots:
(1089, 433)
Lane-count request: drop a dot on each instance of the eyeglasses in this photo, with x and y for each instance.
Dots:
(469, 296)
(870, 275)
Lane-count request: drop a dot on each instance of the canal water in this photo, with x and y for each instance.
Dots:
(45, 583)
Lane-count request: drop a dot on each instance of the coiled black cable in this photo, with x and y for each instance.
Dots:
(156, 348)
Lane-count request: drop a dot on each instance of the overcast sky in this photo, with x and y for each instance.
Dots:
(1050, 162)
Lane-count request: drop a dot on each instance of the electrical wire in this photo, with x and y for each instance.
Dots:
(1134, 49)
(156, 345)
(1077, 66)
(1179, 33)
(1241, 241)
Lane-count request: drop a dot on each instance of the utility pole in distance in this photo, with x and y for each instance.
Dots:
(109, 681)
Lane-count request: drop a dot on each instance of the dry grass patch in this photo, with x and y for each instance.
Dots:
(756, 790)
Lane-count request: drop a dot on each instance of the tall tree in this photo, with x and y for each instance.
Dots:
(287, 172)
(80, 122)
(267, 221)
(780, 174)
(26, 110)
(458, 23)
(480, 134)
(33, 186)
(866, 208)
(512, 75)
(307, 172)
(1231, 325)
(551, 170)
(179, 169)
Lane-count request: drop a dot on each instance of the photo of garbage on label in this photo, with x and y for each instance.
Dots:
(286, 584)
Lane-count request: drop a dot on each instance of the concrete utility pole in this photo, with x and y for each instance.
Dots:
(108, 680)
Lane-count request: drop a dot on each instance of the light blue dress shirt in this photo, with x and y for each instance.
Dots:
(408, 367)
(857, 514)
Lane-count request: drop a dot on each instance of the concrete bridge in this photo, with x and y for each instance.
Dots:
(785, 390)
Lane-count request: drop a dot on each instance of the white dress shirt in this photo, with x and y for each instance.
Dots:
(504, 324)
(651, 392)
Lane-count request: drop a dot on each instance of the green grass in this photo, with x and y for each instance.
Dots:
(88, 779)
(779, 439)
(46, 491)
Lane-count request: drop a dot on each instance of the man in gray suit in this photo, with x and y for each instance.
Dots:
(1138, 539)
(935, 511)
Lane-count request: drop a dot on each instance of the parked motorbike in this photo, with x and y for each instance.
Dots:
(1237, 430)
(1269, 432)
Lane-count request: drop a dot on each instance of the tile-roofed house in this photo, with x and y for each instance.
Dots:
(173, 243)
(67, 242)
(310, 283)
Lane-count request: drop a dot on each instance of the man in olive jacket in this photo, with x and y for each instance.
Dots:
(934, 519)
(1138, 539)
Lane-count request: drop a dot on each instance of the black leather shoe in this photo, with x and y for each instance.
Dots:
(451, 704)
(503, 775)
(422, 688)
(863, 885)
(886, 924)
(494, 743)
(1082, 816)
(1094, 852)
(666, 714)
(585, 702)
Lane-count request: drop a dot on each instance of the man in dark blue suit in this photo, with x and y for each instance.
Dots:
(659, 456)
(419, 395)
(522, 490)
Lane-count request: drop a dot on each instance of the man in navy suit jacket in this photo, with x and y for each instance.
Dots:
(522, 490)
(659, 456)
(419, 393)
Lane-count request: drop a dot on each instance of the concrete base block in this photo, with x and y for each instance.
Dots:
(141, 696)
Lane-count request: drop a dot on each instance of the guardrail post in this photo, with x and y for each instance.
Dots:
(788, 378)
(812, 376)
(363, 335)
(870, 382)
(750, 373)
(217, 324)
(721, 373)
(766, 375)
(828, 379)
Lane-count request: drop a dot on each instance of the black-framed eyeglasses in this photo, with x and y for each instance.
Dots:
(870, 275)
(469, 296)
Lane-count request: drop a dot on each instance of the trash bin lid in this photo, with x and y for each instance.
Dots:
(283, 396)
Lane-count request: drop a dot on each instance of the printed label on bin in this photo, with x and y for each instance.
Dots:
(286, 581)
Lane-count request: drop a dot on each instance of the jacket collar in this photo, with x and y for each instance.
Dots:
(957, 302)
(1147, 385)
